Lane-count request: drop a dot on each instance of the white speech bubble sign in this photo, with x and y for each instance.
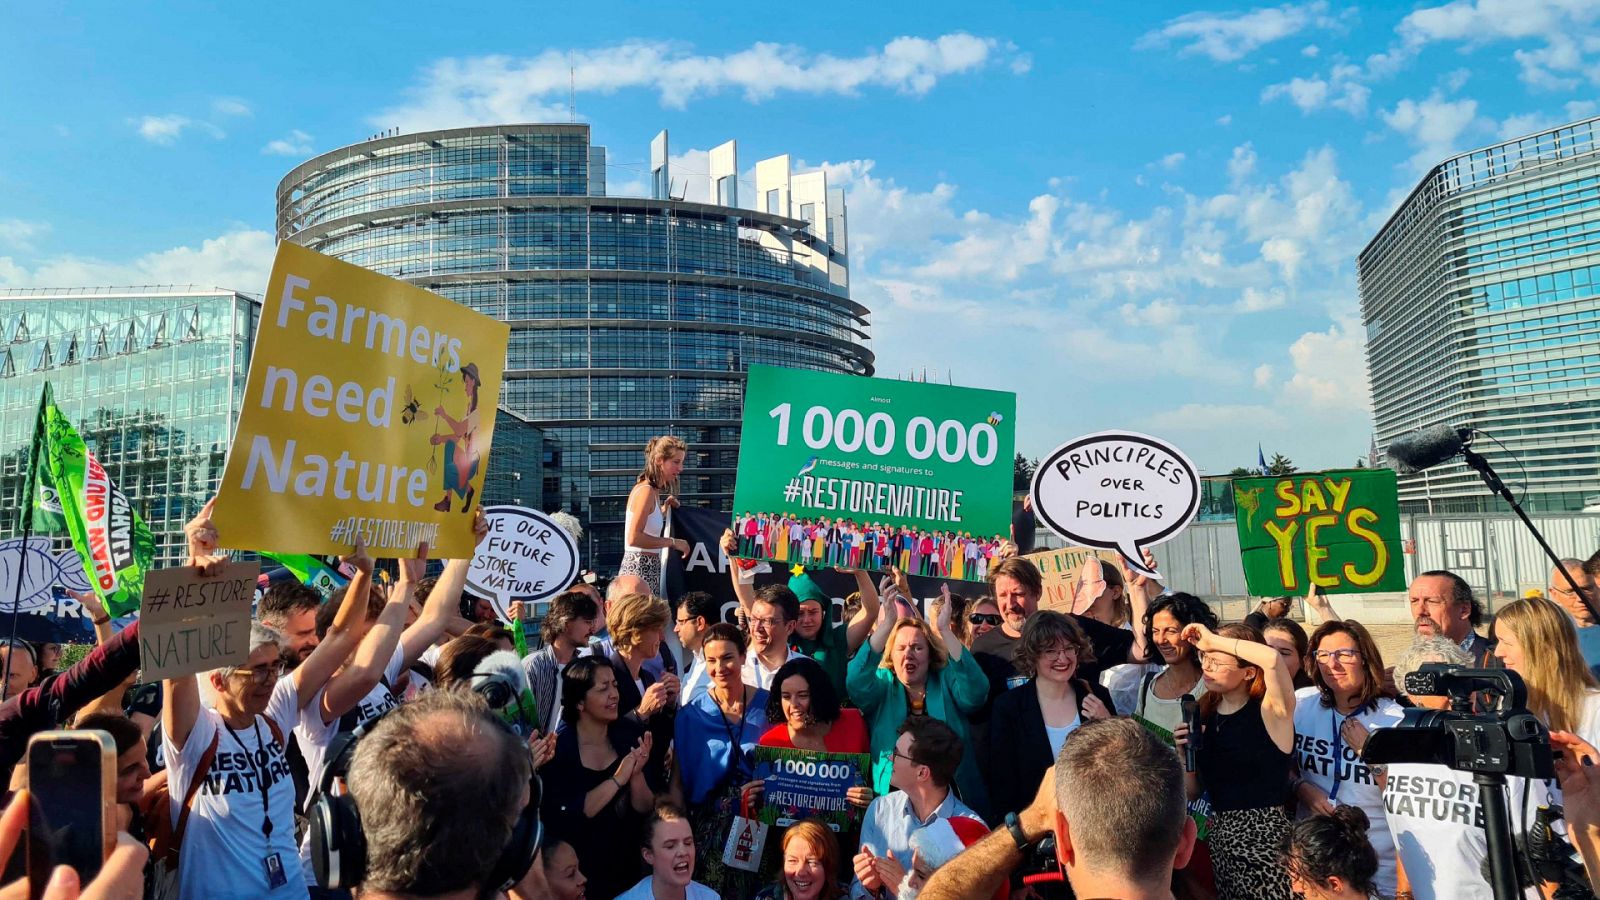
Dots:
(525, 556)
(1119, 490)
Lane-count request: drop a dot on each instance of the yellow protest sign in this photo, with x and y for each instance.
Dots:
(369, 410)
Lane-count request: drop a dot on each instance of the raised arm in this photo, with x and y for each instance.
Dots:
(439, 611)
(941, 624)
(1277, 707)
(885, 624)
(744, 590)
(1318, 603)
(861, 624)
(340, 641)
(366, 668)
(91, 604)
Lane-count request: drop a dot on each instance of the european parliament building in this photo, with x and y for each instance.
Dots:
(630, 316)
(1481, 298)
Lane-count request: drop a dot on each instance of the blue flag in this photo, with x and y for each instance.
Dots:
(1261, 460)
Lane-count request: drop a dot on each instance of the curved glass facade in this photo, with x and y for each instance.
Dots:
(1481, 297)
(630, 317)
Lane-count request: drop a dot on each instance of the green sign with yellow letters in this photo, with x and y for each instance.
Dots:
(1339, 530)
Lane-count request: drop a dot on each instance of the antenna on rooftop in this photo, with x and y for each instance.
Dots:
(572, 89)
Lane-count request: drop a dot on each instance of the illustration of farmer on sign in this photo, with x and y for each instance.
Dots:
(461, 457)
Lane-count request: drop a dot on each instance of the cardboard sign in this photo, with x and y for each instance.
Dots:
(1117, 490)
(805, 783)
(525, 556)
(1339, 530)
(871, 473)
(1059, 569)
(369, 411)
(189, 623)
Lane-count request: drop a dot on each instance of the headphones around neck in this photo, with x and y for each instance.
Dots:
(339, 845)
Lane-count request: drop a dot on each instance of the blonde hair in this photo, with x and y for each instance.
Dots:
(1554, 670)
(632, 615)
(937, 654)
(659, 450)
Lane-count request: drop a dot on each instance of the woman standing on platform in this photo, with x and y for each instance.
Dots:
(650, 506)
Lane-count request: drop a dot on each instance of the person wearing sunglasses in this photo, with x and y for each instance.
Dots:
(982, 618)
(1332, 719)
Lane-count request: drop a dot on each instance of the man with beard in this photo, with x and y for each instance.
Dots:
(1442, 605)
(290, 608)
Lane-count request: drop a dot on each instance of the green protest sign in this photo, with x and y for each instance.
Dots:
(805, 783)
(1339, 530)
(869, 473)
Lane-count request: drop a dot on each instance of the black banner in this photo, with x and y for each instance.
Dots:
(706, 568)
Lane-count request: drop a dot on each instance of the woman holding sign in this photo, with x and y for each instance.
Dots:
(911, 668)
(648, 512)
(1247, 720)
(715, 734)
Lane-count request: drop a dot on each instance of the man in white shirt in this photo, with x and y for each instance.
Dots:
(697, 612)
(926, 757)
(772, 620)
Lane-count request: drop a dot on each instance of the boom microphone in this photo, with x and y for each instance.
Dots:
(1427, 448)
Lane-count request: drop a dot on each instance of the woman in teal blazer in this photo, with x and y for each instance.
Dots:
(926, 671)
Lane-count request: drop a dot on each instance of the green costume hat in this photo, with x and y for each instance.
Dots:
(806, 589)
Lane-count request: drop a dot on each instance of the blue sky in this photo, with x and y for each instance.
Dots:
(1136, 215)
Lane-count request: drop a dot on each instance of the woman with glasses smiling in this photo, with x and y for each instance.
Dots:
(1031, 722)
(1332, 719)
(1247, 731)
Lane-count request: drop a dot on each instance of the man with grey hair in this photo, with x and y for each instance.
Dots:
(1578, 602)
(439, 785)
(1115, 801)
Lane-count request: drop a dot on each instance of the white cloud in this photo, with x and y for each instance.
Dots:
(240, 259)
(1341, 89)
(1566, 30)
(18, 234)
(163, 130)
(231, 106)
(297, 143)
(1330, 369)
(1172, 161)
(1229, 37)
(1310, 51)
(1434, 126)
(1225, 120)
(1264, 374)
(1209, 417)
(481, 89)
(1581, 109)
(1524, 123)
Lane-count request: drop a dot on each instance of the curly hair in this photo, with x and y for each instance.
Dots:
(1045, 630)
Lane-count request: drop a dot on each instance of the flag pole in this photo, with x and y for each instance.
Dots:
(27, 509)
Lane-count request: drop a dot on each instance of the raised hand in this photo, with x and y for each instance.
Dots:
(1094, 709)
(359, 556)
(866, 866)
(415, 569)
(480, 526)
(204, 552)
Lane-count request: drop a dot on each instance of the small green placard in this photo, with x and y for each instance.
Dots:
(1339, 530)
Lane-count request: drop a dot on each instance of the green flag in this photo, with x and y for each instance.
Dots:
(309, 571)
(115, 544)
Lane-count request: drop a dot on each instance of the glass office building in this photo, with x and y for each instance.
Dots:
(630, 317)
(1481, 298)
(152, 378)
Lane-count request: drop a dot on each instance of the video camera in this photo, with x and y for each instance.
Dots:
(1502, 739)
(1505, 739)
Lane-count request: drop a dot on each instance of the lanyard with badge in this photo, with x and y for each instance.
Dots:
(1338, 754)
(272, 863)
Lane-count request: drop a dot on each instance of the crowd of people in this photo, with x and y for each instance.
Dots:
(956, 555)
(383, 743)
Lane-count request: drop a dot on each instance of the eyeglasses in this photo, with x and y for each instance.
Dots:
(261, 676)
(768, 622)
(1214, 662)
(984, 618)
(1343, 657)
(896, 752)
(1067, 652)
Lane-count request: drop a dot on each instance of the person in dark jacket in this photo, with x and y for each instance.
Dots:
(51, 702)
(1030, 723)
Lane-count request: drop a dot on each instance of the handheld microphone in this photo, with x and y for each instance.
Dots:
(1427, 448)
(1191, 718)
